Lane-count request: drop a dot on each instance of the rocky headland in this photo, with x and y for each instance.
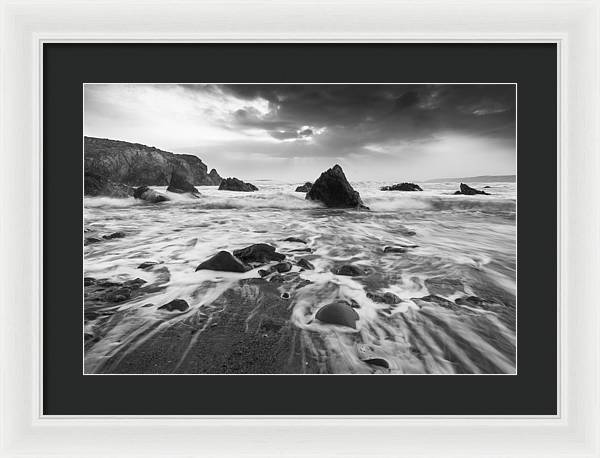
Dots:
(112, 167)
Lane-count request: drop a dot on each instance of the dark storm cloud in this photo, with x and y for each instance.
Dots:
(348, 118)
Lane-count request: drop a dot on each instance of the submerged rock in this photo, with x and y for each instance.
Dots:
(306, 264)
(469, 191)
(180, 185)
(259, 253)
(223, 261)
(177, 304)
(394, 249)
(385, 298)
(444, 286)
(233, 184)
(349, 270)
(147, 264)
(402, 187)
(473, 301)
(90, 240)
(114, 235)
(433, 299)
(282, 267)
(338, 313)
(149, 195)
(98, 185)
(333, 190)
(305, 187)
(294, 239)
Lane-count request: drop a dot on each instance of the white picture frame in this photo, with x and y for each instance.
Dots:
(573, 25)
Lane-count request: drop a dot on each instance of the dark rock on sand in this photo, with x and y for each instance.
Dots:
(385, 298)
(233, 184)
(486, 187)
(147, 264)
(402, 187)
(98, 185)
(114, 235)
(180, 185)
(90, 240)
(349, 270)
(305, 187)
(149, 195)
(333, 190)
(306, 264)
(134, 164)
(223, 261)
(177, 304)
(338, 313)
(259, 253)
(468, 191)
(285, 296)
(263, 272)
(294, 239)
(394, 249)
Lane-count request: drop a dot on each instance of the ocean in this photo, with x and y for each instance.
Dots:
(459, 249)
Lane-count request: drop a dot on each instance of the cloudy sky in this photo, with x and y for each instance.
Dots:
(293, 132)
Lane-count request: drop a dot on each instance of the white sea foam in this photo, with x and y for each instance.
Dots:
(468, 239)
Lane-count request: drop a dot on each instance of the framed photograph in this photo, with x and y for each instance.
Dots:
(295, 229)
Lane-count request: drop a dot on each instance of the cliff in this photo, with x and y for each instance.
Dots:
(138, 165)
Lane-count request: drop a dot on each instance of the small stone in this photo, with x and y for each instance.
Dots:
(147, 264)
(114, 235)
(349, 270)
(306, 264)
(177, 304)
(285, 296)
(90, 240)
(282, 267)
(378, 362)
(394, 249)
(294, 239)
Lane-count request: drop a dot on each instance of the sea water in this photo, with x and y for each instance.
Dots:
(459, 246)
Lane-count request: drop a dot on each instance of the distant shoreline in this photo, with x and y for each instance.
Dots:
(481, 178)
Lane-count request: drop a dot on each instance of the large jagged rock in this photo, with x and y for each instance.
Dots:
(134, 164)
(214, 177)
(402, 187)
(259, 253)
(149, 195)
(180, 185)
(96, 185)
(224, 261)
(233, 184)
(469, 191)
(333, 190)
(305, 187)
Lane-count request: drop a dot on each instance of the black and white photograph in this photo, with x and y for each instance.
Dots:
(322, 229)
